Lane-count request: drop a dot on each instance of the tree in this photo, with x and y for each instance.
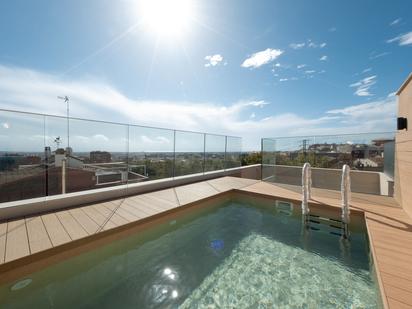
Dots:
(251, 158)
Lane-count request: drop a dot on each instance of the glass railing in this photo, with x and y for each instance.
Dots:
(370, 156)
(44, 155)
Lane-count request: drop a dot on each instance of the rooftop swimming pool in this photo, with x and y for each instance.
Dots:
(233, 254)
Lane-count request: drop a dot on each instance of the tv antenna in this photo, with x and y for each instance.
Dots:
(66, 100)
(57, 141)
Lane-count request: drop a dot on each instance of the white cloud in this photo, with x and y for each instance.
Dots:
(376, 111)
(312, 44)
(367, 70)
(283, 79)
(323, 58)
(395, 22)
(301, 66)
(260, 58)
(332, 29)
(297, 45)
(214, 60)
(101, 137)
(403, 39)
(252, 115)
(5, 125)
(260, 103)
(28, 90)
(363, 86)
(310, 71)
(158, 140)
(374, 55)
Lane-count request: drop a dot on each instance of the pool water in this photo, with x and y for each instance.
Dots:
(232, 255)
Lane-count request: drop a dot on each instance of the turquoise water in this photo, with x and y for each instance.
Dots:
(230, 256)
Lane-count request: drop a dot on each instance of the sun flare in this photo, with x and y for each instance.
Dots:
(167, 18)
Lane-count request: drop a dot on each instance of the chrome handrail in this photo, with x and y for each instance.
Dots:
(346, 196)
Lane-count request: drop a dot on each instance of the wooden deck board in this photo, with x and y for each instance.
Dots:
(396, 281)
(58, 235)
(167, 195)
(154, 203)
(94, 215)
(193, 192)
(17, 243)
(3, 234)
(73, 228)
(139, 213)
(393, 303)
(116, 217)
(38, 238)
(229, 183)
(112, 220)
(84, 220)
(400, 295)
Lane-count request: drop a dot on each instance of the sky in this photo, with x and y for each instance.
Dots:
(245, 68)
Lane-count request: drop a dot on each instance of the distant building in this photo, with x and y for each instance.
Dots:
(381, 142)
(100, 157)
(72, 161)
(33, 160)
(365, 151)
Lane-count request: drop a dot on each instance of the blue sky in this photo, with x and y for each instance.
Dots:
(248, 68)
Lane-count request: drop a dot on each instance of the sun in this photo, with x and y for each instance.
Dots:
(167, 18)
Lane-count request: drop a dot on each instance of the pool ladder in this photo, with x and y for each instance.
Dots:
(309, 218)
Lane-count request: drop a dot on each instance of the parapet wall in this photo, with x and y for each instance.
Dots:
(361, 181)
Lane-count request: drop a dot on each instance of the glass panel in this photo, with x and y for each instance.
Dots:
(56, 140)
(215, 152)
(389, 159)
(233, 151)
(189, 153)
(22, 164)
(268, 159)
(42, 155)
(97, 155)
(291, 154)
(150, 153)
(370, 156)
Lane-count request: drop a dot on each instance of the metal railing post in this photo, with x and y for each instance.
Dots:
(64, 168)
(174, 153)
(128, 155)
(204, 152)
(346, 195)
(261, 162)
(225, 160)
(306, 188)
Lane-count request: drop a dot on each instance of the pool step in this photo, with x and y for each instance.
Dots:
(326, 225)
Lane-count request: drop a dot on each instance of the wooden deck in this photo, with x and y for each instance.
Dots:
(389, 227)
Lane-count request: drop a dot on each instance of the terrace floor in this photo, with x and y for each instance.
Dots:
(29, 239)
